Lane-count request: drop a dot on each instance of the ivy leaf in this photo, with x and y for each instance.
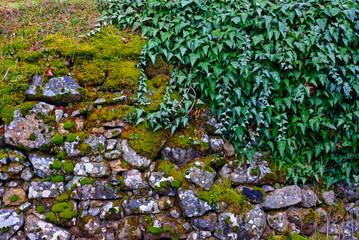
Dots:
(281, 147)
(250, 154)
(322, 23)
(193, 58)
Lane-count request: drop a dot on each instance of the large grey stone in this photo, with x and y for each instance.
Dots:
(230, 226)
(201, 177)
(39, 189)
(191, 205)
(10, 222)
(131, 157)
(140, 206)
(91, 169)
(41, 164)
(180, 156)
(61, 90)
(29, 131)
(37, 229)
(133, 180)
(282, 198)
(99, 189)
(344, 191)
(255, 223)
(310, 199)
(161, 183)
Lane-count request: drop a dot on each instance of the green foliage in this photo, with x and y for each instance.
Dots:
(154, 230)
(57, 164)
(282, 75)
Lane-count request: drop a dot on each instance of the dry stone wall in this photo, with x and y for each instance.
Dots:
(85, 171)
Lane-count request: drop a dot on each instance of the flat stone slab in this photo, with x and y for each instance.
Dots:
(38, 189)
(99, 189)
(59, 91)
(37, 229)
(191, 205)
(10, 222)
(283, 197)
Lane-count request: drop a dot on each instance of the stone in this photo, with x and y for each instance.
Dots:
(310, 199)
(255, 196)
(36, 229)
(70, 149)
(10, 222)
(140, 206)
(117, 166)
(39, 189)
(255, 223)
(111, 144)
(59, 91)
(200, 177)
(245, 172)
(162, 184)
(111, 211)
(180, 156)
(14, 168)
(344, 191)
(205, 223)
(99, 130)
(97, 143)
(91, 169)
(21, 195)
(16, 157)
(229, 226)
(100, 189)
(278, 221)
(282, 198)
(131, 157)
(58, 114)
(212, 126)
(112, 133)
(26, 174)
(115, 123)
(41, 164)
(113, 155)
(29, 131)
(329, 197)
(133, 180)
(229, 149)
(191, 205)
(129, 229)
(165, 203)
(216, 145)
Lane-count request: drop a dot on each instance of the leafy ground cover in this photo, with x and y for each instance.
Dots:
(282, 75)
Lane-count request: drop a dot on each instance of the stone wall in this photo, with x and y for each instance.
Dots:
(85, 171)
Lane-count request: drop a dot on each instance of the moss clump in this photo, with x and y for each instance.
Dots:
(40, 209)
(84, 149)
(154, 230)
(221, 191)
(176, 184)
(143, 139)
(122, 75)
(187, 138)
(68, 125)
(32, 137)
(57, 139)
(69, 167)
(87, 181)
(92, 73)
(61, 212)
(107, 114)
(62, 197)
(58, 178)
(168, 228)
(60, 155)
(168, 168)
(57, 164)
(14, 198)
(71, 137)
(51, 217)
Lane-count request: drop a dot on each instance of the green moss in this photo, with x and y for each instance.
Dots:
(25, 108)
(122, 75)
(32, 137)
(146, 142)
(57, 164)
(68, 125)
(154, 230)
(222, 191)
(58, 178)
(14, 198)
(168, 168)
(40, 209)
(60, 155)
(69, 167)
(84, 149)
(71, 137)
(188, 138)
(107, 114)
(176, 184)
(168, 228)
(18, 211)
(57, 139)
(67, 214)
(98, 230)
(92, 73)
(63, 197)
(5, 229)
(87, 181)
(51, 217)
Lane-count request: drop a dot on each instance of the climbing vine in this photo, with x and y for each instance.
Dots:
(281, 76)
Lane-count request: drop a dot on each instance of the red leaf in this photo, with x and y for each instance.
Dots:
(49, 73)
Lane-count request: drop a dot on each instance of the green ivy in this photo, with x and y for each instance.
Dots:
(282, 76)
